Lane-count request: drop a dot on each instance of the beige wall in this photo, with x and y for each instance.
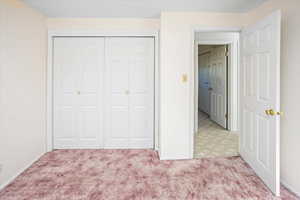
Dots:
(22, 78)
(22, 87)
(290, 95)
(176, 60)
(109, 24)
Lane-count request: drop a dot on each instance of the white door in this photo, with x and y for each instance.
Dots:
(218, 85)
(129, 92)
(204, 83)
(260, 92)
(78, 92)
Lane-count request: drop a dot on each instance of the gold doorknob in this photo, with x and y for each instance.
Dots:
(272, 112)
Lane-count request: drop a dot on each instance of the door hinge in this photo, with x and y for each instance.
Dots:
(226, 116)
(227, 53)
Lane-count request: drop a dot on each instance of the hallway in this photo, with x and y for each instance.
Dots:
(213, 140)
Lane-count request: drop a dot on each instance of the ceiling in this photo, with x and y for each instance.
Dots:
(136, 8)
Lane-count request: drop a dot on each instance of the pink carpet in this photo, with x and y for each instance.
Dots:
(136, 174)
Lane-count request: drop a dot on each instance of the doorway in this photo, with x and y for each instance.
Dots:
(213, 137)
(258, 81)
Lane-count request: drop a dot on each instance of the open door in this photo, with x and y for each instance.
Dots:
(260, 99)
(218, 85)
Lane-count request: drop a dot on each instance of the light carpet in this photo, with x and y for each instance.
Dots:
(136, 175)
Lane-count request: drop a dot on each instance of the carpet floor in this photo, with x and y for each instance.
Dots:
(136, 174)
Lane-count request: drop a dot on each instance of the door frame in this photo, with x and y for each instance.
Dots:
(234, 43)
(71, 33)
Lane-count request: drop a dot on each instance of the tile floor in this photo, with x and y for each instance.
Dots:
(213, 140)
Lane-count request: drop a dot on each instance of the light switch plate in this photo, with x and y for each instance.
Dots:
(184, 78)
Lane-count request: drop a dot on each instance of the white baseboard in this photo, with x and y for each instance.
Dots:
(289, 187)
(3, 185)
(173, 158)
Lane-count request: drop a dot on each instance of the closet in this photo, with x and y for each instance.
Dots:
(103, 92)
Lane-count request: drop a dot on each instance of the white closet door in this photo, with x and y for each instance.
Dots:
(78, 92)
(218, 101)
(129, 92)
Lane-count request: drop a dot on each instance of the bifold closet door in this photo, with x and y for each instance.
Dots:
(103, 92)
(129, 117)
(78, 68)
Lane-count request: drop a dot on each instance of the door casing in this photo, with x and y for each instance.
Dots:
(72, 33)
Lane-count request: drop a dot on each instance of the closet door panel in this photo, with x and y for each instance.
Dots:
(141, 84)
(78, 65)
(129, 92)
(65, 82)
(117, 100)
(90, 94)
